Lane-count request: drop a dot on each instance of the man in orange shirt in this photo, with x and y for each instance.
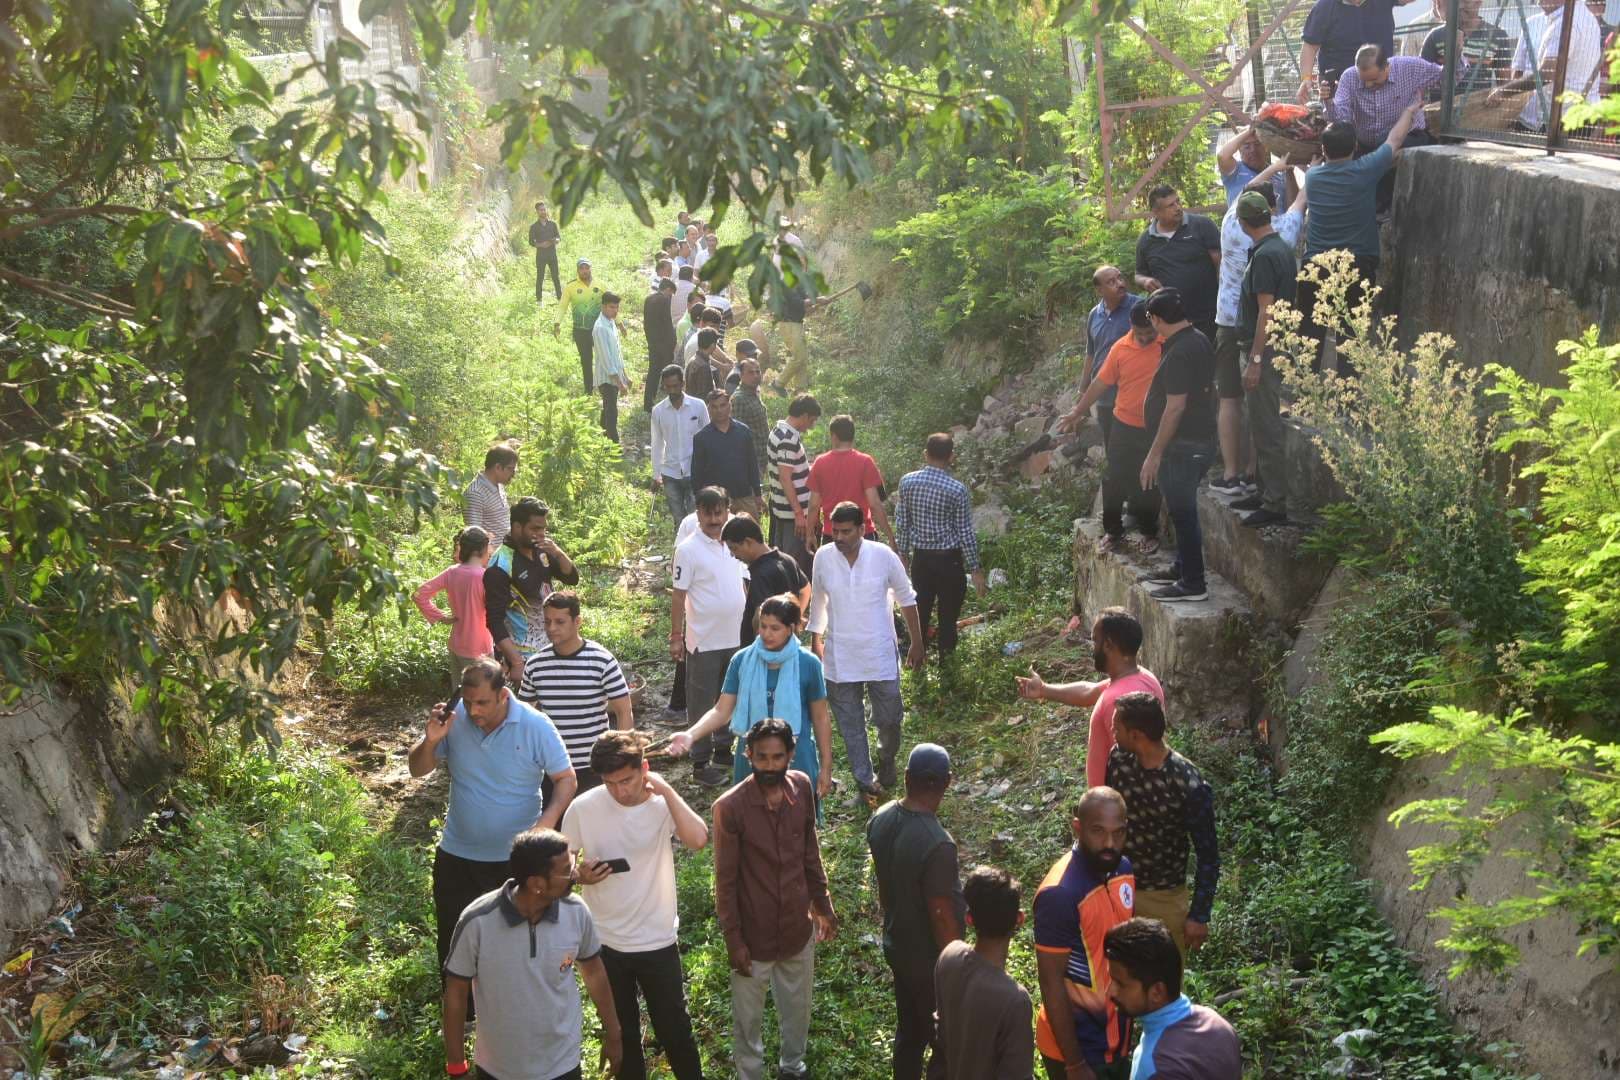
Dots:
(1129, 366)
(1080, 1032)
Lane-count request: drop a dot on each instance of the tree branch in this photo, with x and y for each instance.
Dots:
(53, 291)
(108, 211)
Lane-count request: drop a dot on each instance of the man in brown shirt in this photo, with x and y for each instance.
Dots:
(770, 895)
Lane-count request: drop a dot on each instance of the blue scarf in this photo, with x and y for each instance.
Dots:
(1143, 1067)
(751, 686)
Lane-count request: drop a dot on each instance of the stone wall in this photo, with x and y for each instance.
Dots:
(76, 778)
(1506, 250)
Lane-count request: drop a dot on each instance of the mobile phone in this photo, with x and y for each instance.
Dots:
(618, 866)
(455, 699)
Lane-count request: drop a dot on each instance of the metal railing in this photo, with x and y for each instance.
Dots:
(1510, 65)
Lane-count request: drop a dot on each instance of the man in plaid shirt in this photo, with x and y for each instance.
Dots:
(933, 528)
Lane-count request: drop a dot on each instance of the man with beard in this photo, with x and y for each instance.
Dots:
(771, 899)
(1079, 1031)
(706, 607)
(1172, 808)
(518, 580)
(1116, 638)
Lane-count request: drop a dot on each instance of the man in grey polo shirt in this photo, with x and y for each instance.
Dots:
(520, 946)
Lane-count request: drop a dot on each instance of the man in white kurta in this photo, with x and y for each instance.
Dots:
(854, 585)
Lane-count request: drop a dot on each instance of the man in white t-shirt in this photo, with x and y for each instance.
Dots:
(705, 626)
(631, 817)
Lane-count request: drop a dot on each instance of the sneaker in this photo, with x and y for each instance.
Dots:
(1248, 502)
(1263, 517)
(1251, 483)
(1231, 485)
(1176, 592)
(712, 775)
(1159, 577)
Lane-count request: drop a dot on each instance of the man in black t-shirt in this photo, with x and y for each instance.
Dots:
(1270, 277)
(1181, 251)
(1180, 411)
(770, 572)
(543, 237)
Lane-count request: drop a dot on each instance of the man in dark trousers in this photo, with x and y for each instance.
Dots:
(543, 237)
(660, 330)
(933, 524)
(1182, 251)
(921, 894)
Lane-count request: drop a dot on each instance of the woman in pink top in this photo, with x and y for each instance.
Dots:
(1116, 638)
(464, 584)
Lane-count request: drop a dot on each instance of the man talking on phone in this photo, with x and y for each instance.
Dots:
(497, 751)
(626, 871)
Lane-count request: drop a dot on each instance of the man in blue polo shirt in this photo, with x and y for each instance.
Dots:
(497, 750)
(1109, 321)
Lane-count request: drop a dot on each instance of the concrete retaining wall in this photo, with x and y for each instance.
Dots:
(1506, 250)
(75, 779)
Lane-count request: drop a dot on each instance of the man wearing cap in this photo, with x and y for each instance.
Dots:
(1270, 277)
(921, 894)
(582, 300)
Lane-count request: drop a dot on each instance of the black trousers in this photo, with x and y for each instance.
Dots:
(658, 358)
(544, 258)
(659, 978)
(939, 577)
(610, 410)
(677, 689)
(914, 1030)
(1367, 268)
(587, 356)
(1122, 482)
(457, 882)
(1105, 421)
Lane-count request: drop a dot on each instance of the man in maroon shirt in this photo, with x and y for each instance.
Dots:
(771, 899)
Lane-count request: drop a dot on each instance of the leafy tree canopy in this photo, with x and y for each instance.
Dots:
(178, 422)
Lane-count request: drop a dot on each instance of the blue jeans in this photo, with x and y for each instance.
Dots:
(1180, 473)
(678, 496)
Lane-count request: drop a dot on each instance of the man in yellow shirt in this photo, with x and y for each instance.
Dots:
(582, 301)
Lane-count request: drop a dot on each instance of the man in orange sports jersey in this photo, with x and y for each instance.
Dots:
(1080, 1033)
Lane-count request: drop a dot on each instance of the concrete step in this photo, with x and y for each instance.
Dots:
(1267, 564)
(1200, 651)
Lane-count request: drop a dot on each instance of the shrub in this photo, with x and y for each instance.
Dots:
(1572, 563)
(1408, 438)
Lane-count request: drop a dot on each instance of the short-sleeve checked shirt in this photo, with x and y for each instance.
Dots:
(934, 513)
(1373, 111)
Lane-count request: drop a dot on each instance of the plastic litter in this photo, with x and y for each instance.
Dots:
(18, 964)
(1012, 648)
(63, 923)
(997, 578)
(382, 1015)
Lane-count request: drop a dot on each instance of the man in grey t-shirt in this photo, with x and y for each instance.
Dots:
(519, 946)
(984, 1016)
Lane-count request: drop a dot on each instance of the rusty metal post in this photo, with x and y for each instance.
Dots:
(1555, 108)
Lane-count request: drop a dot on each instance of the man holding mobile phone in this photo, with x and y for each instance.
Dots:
(493, 746)
(626, 872)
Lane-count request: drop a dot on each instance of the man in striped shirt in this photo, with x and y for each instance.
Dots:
(576, 683)
(485, 498)
(933, 524)
(789, 473)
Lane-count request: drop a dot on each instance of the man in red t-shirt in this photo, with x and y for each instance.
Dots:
(844, 474)
(1116, 637)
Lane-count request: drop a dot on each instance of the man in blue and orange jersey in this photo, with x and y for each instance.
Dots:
(1080, 1033)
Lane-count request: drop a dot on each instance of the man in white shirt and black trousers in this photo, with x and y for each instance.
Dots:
(852, 629)
(705, 620)
(622, 832)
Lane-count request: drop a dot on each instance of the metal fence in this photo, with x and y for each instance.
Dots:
(1173, 81)
(1510, 65)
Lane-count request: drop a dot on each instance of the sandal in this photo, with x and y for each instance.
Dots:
(1147, 545)
(1110, 545)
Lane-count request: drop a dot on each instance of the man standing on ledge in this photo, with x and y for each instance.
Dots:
(543, 237)
(933, 524)
(1181, 251)
(853, 586)
(497, 751)
(921, 894)
(1180, 412)
(581, 303)
(1172, 808)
